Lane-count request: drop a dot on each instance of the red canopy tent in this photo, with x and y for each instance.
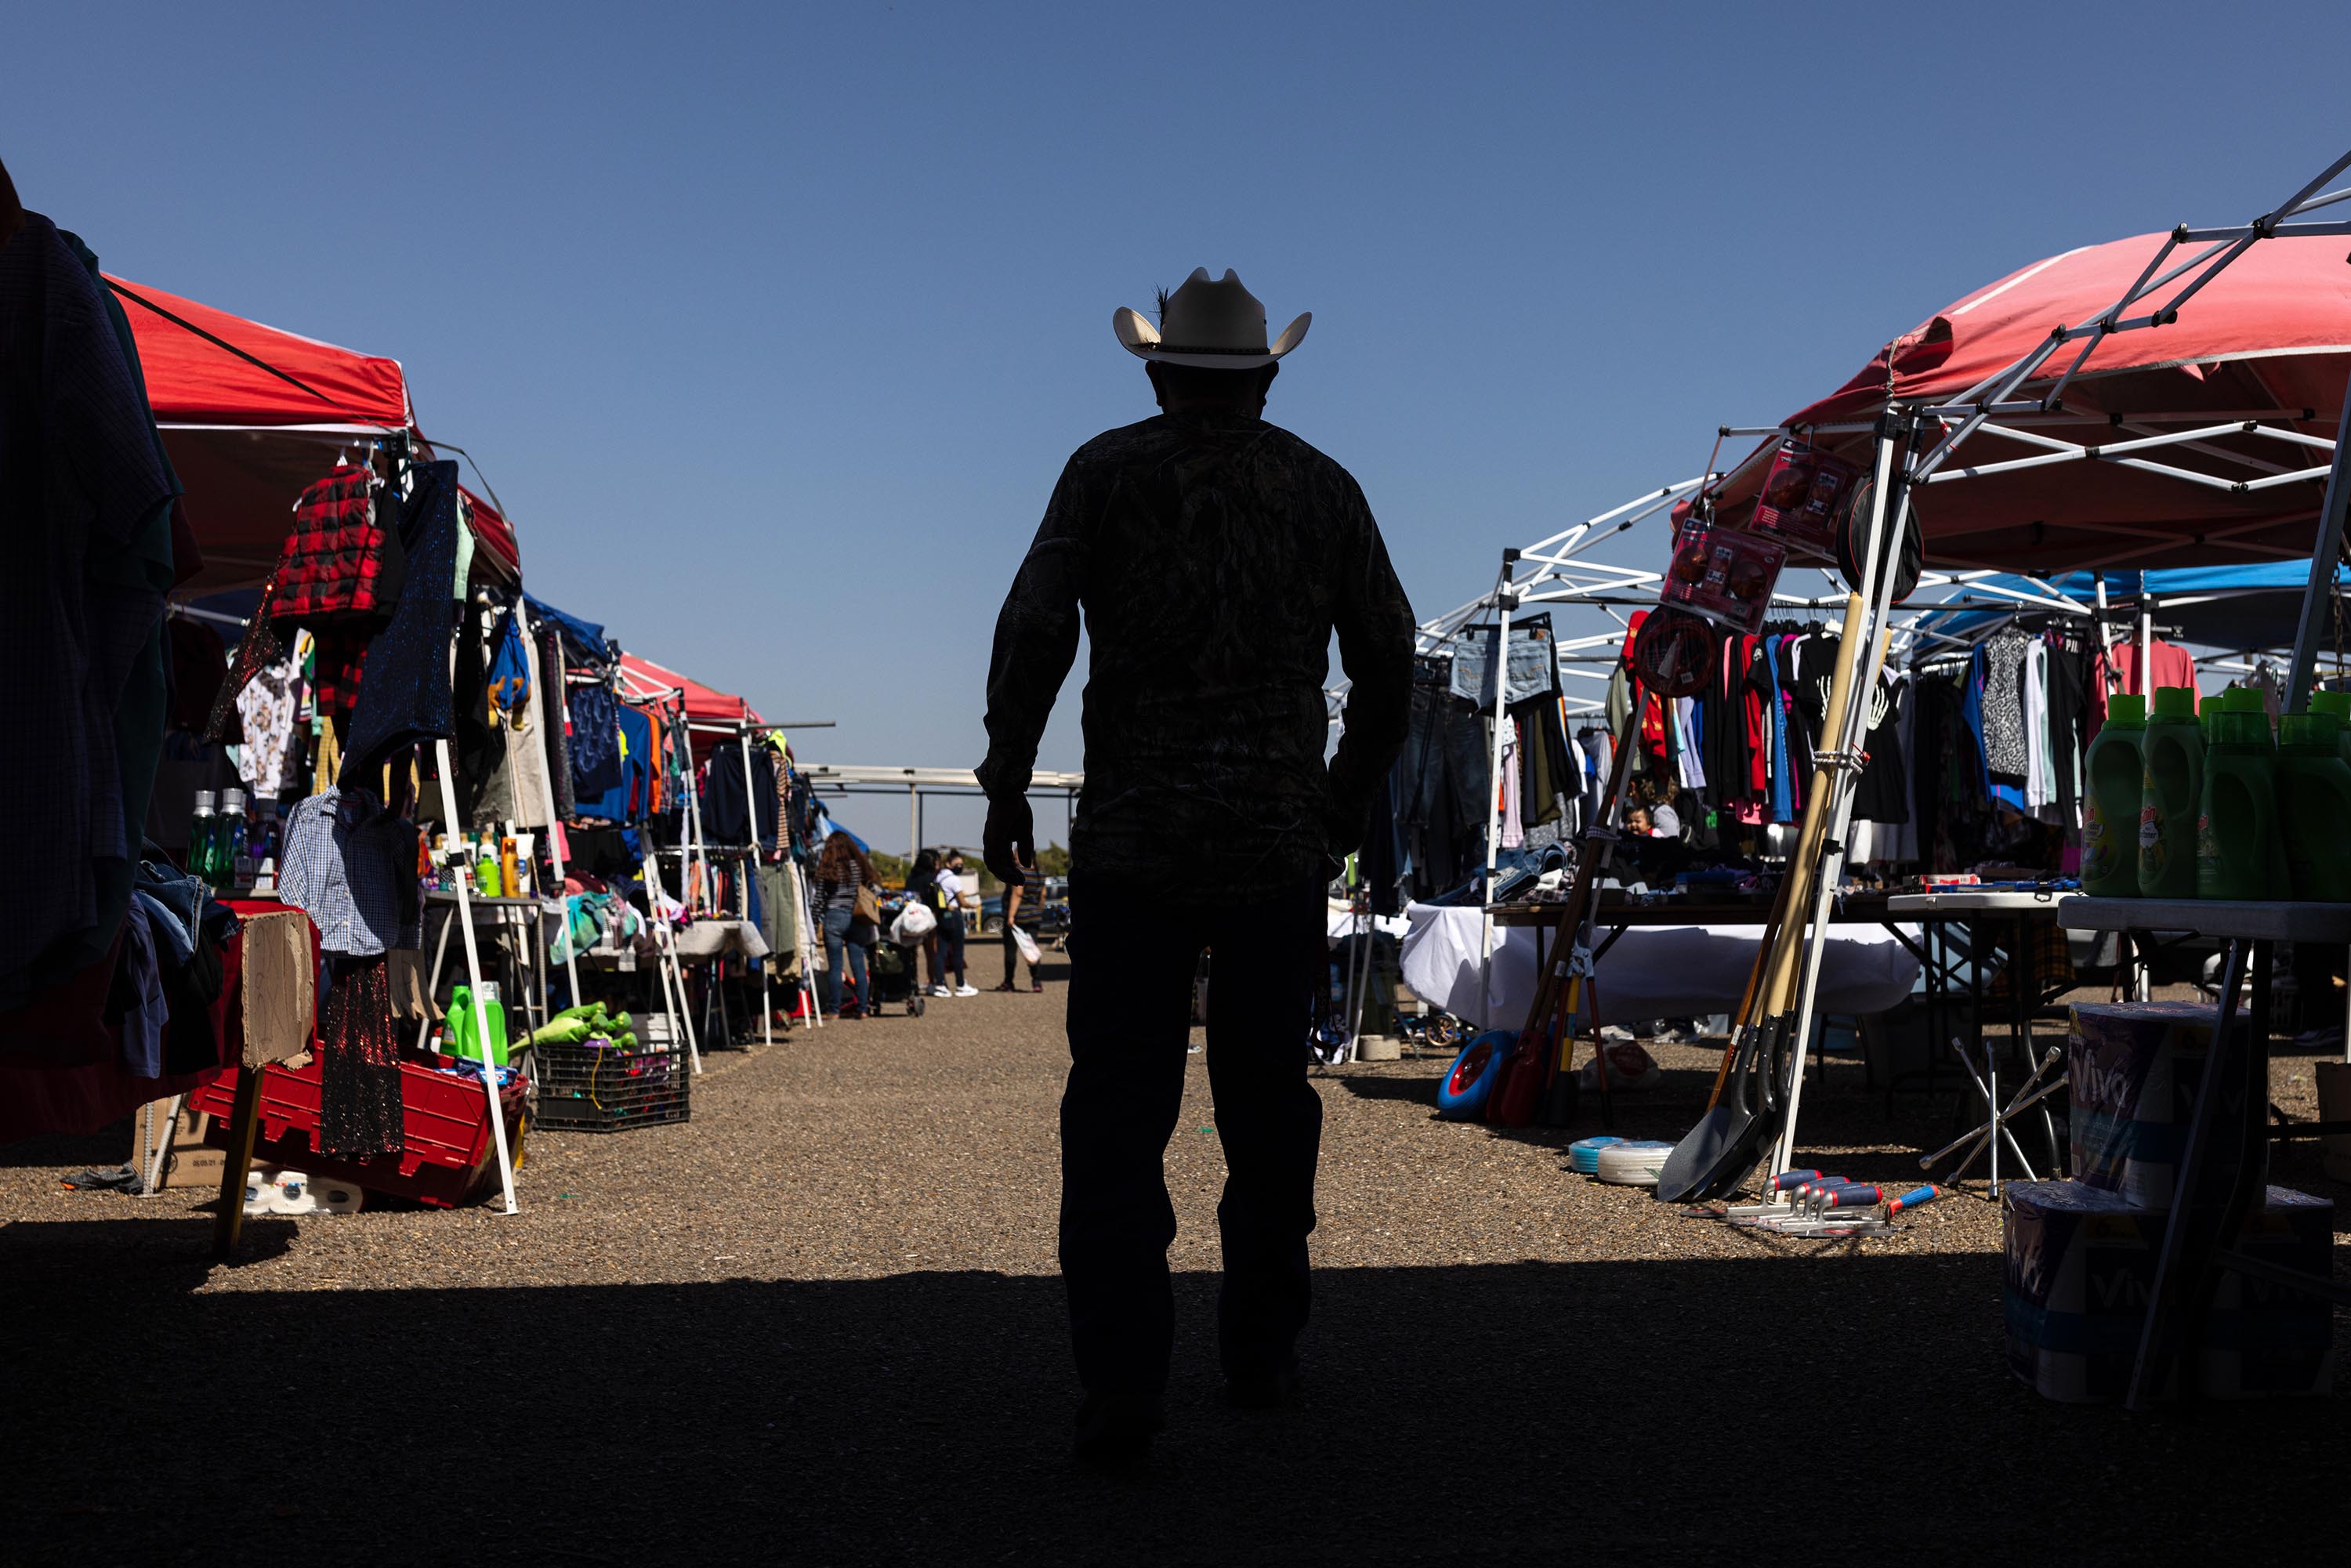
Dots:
(2253, 370)
(247, 436)
(642, 679)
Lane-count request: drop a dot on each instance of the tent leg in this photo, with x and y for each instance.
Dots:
(1836, 774)
(1506, 602)
(474, 972)
(2318, 599)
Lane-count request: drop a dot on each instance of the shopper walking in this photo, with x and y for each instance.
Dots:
(954, 888)
(1209, 556)
(923, 888)
(841, 869)
(1024, 910)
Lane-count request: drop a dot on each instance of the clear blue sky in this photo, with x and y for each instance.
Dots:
(773, 326)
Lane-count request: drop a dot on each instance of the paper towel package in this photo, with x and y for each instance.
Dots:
(2081, 1260)
(2134, 1070)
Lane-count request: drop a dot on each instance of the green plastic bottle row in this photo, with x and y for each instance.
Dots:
(2180, 806)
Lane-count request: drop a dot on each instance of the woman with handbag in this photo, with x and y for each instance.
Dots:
(845, 892)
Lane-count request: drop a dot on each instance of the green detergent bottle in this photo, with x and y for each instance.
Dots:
(2313, 799)
(476, 1021)
(2239, 852)
(2171, 791)
(2338, 705)
(2246, 700)
(2115, 771)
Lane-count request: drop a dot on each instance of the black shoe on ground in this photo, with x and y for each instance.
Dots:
(1117, 1428)
(1283, 1389)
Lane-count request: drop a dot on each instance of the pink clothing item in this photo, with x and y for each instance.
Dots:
(2117, 671)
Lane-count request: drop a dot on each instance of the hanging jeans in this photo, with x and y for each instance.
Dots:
(1129, 1021)
(836, 946)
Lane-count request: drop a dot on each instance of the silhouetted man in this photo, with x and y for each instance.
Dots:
(1213, 555)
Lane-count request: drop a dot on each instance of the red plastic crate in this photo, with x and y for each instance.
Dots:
(444, 1123)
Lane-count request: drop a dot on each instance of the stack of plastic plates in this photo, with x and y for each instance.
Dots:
(1583, 1154)
(1632, 1164)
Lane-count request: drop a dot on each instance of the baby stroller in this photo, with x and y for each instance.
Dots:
(895, 962)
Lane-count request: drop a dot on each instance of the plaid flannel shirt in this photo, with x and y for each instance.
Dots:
(340, 560)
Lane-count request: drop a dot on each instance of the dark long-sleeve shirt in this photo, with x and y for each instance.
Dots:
(1213, 555)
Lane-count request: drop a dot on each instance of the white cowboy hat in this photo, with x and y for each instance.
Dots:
(1218, 325)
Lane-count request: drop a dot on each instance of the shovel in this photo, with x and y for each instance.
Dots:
(1730, 1132)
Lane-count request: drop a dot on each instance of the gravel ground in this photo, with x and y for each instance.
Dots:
(820, 1322)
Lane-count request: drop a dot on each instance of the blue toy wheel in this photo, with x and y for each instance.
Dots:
(1461, 1096)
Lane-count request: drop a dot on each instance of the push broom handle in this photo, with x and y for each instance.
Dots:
(1794, 926)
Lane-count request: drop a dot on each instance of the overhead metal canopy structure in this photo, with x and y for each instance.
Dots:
(918, 782)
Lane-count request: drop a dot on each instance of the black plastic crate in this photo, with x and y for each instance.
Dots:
(596, 1087)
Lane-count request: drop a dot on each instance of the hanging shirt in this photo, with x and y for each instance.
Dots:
(1514, 831)
(351, 867)
(2040, 784)
(1882, 793)
(1782, 803)
(264, 709)
(2117, 671)
(2004, 723)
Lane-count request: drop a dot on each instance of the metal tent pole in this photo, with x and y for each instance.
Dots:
(1838, 770)
(554, 831)
(751, 815)
(2318, 598)
(701, 895)
(1505, 602)
(474, 973)
(681, 1018)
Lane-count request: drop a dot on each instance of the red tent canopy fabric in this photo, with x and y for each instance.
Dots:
(2269, 336)
(641, 678)
(494, 533)
(246, 442)
(193, 380)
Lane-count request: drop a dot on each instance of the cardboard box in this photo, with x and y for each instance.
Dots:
(190, 1162)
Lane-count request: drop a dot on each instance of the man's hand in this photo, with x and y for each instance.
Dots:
(1008, 844)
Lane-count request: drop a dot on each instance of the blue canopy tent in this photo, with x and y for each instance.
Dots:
(830, 826)
(2237, 608)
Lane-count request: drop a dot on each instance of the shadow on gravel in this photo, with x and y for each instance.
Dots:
(110, 1145)
(1454, 1413)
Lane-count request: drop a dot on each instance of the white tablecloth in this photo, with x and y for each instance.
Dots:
(1653, 971)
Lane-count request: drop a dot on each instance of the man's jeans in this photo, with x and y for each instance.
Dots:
(1133, 961)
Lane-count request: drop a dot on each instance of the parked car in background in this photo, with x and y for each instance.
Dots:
(1057, 909)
